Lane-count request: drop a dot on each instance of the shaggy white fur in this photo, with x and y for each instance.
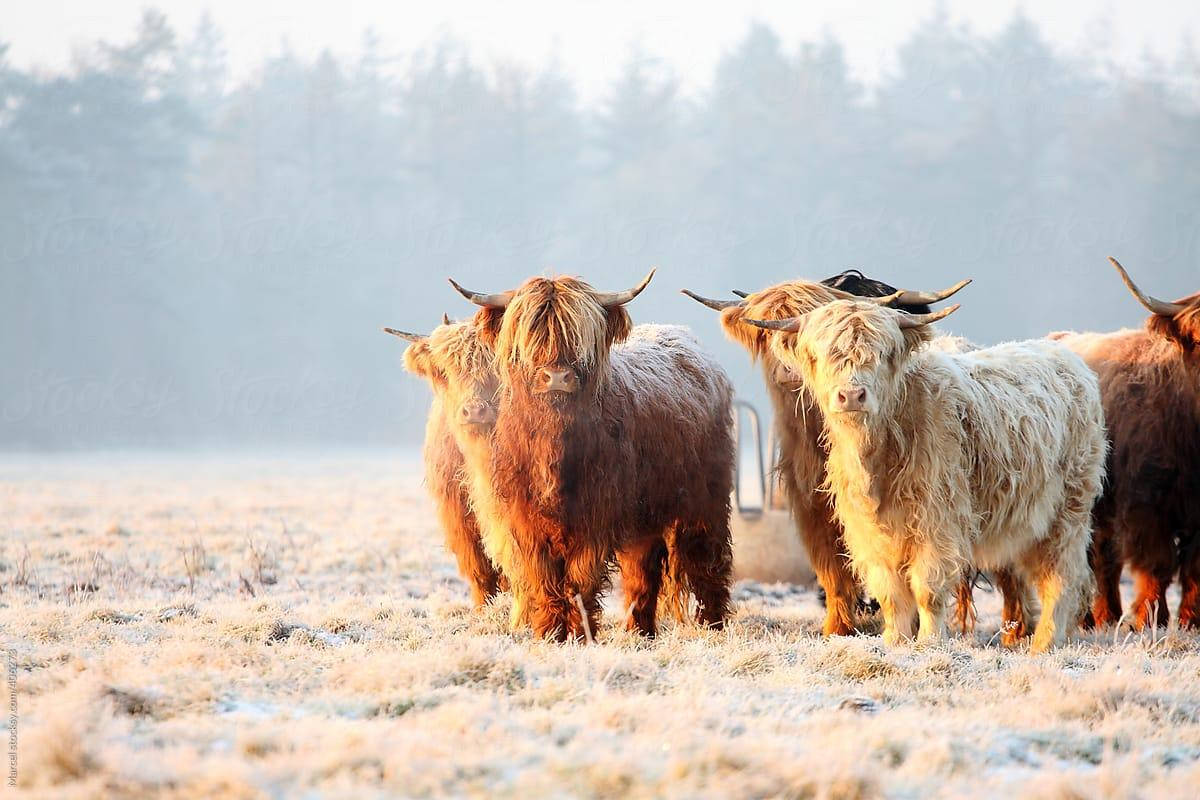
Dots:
(992, 457)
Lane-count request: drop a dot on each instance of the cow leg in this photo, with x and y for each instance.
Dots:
(463, 540)
(930, 597)
(822, 539)
(1058, 567)
(538, 575)
(964, 602)
(895, 601)
(518, 616)
(1152, 560)
(1150, 601)
(641, 564)
(1017, 618)
(704, 552)
(586, 577)
(545, 603)
(1105, 559)
(1189, 579)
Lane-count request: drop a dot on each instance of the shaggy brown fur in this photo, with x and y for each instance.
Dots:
(459, 368)
(636, 463)
(799, 425)
(1149, 515)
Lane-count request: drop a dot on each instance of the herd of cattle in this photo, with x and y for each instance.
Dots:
(563, 438)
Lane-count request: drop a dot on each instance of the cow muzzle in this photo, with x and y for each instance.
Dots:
(850, 398)
(556, 379)
(477, 414)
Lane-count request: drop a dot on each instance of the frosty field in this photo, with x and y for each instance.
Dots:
(249, 627)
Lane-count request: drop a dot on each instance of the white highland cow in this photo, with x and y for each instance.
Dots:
(938, 460)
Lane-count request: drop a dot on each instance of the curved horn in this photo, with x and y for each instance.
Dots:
(410, 337)
(741, 294)
(911, 298)
(1152, 304)
(787, 325)
(715, 305)
(610, 299)
(842, 294)
(485, 300)
(920, 320)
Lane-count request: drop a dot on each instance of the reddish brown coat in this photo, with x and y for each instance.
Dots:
(635, 463)
(459, 369)
(1149, 515)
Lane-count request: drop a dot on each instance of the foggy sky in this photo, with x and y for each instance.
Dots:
(591, 38)
(193, 256)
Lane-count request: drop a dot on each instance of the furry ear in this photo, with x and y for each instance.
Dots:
(915, 337)
(487, 323)
(756, 340)
(1182, 330)
(418, 359)
(618, 325)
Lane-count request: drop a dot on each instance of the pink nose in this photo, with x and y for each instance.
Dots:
(478, 412)
(556, 379)
(853, 398)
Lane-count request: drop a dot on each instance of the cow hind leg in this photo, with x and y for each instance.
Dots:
(1152, 560)
(641, 564)
(1058, 568)
(704, 553)
(1150, 601)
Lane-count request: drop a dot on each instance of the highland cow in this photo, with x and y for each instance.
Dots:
(1149, 515)
(606, 443)
(937, 460)
(459, 368)
(798, 421)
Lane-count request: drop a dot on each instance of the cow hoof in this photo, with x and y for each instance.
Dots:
(837, 628)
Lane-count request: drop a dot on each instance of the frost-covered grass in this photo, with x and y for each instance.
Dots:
(208, 626)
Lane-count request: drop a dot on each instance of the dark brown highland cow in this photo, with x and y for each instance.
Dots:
(1149, 515)
(459, 368)
(599, 450)
(799, 424)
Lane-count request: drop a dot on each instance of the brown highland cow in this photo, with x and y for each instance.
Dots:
(459, 368)
(603, 449)
(1149, 514)
(798, 420)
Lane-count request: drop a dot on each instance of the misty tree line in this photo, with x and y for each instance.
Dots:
(186, 260)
